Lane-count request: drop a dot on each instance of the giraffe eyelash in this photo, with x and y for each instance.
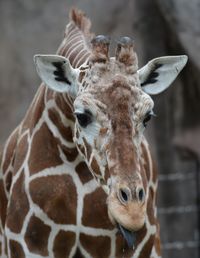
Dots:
(147, 117)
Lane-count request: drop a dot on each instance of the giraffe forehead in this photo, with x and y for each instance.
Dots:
(99, 73)
(110, 89)
(115, 94)
(121, 91)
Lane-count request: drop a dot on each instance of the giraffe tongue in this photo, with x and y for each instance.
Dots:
(128, 235)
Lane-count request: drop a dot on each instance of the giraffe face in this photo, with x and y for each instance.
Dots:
(111, 116)
(112, 107)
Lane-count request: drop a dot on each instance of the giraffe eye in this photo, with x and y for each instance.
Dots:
(84, 119)
(148, 117)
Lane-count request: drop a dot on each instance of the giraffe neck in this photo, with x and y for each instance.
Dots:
(46, 155)
(58, 119)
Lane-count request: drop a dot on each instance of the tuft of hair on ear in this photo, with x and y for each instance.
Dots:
(126, 55)
(152, 77)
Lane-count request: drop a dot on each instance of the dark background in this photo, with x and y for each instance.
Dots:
(169, 27)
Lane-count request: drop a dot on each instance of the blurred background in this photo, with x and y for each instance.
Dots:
(169, 27)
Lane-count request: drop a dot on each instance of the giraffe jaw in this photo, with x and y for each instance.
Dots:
(129, 236)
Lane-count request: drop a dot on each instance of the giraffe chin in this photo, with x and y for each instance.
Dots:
(130, 236)
(131, 217)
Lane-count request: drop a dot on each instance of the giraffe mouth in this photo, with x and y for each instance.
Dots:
(129, 236)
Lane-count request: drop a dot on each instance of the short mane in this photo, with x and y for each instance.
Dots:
(76, 43)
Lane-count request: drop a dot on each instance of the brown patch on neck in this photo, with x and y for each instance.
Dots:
(64, 106)
(95, 213)
(78, 254)
(16, 250)
(146, 251)
(8, 180)
(122, 249)
(18, 206)
(88, 149)
(36, 236)
(70, 153)
(96, 246)
(95, 167)
(150, 207)
(107, 173)
(64, 130)
(63, 243)
(140, 235)
(22, 148)
(157, 245)
(3, 203)
(58, 199)
(44, 151)
(83, 172)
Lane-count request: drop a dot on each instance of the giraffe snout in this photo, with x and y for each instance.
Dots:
(127, 204)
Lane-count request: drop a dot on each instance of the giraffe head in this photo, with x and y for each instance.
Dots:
(112, 105)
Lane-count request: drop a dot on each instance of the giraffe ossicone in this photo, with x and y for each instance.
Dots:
(78, 170)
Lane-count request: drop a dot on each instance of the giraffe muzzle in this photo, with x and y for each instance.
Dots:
(127, 208)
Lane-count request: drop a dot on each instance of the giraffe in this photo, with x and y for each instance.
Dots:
(77, 177)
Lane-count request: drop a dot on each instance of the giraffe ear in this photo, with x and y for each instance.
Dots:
(57, 73)
(158, 74)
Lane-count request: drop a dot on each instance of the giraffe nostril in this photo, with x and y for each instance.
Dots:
(141, 194)
(124, 195)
